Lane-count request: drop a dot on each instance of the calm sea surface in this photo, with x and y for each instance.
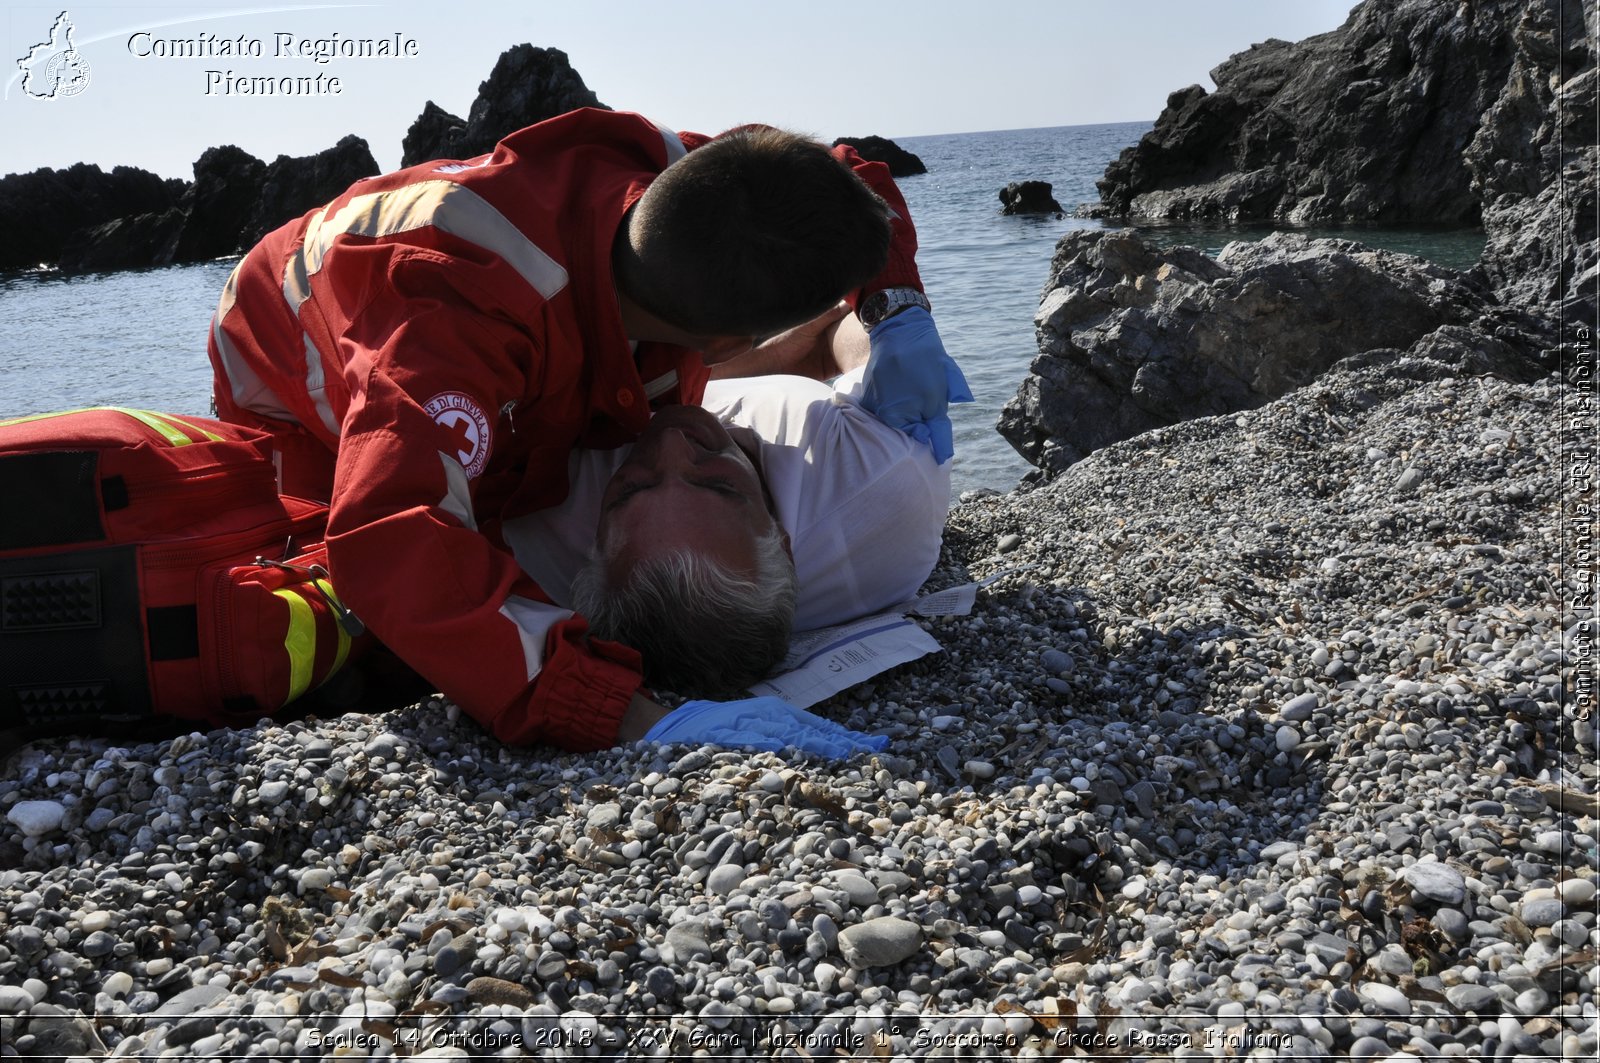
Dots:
(138, 338)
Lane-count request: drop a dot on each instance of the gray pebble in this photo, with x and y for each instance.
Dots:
(1435, 881)
(98, 944)
(1472, 997)
(1409, 480)
(718, 1015)
(1369, 1049)
(272, 793)
(662, 982)
(1296, 710)
(1542, 911)
(688, 941)
(1054, 662)
(14, 1000)
(1452, 923)
(604, 816)
(1277, 850)
(881, 942)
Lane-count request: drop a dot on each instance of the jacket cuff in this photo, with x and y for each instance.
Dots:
(578, 699)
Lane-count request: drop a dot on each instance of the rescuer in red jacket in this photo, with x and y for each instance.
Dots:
(430, 346)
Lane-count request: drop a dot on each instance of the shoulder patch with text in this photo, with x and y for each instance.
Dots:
(467, 427)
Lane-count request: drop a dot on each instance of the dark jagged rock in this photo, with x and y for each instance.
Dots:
(1365, 123)
(225, 192)
(433, 135)
(133, 242)
(527, 85)
(1534, 163)
(901, 162)
(40, 211)
(1028, 197)
(1133, 337)
(292, 186)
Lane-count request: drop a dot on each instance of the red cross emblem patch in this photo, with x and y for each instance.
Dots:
(465, 426)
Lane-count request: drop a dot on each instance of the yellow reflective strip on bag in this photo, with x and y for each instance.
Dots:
(150, 420)
(41, 416)
(193, 428)
(344, 636)
(300, 641)
(162, 423)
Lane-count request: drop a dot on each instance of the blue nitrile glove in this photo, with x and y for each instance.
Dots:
(911, 381)
(761, 723)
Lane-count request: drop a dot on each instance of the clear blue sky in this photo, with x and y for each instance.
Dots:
(825, 67)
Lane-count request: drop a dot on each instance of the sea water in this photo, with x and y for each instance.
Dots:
(137, 338)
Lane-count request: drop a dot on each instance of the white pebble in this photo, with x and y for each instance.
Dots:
(724, 879)
(1287, 738)
(93, 921)
(1576, 892)
(1386, 998)
(979, 769)
(35, 818)
(117, 984)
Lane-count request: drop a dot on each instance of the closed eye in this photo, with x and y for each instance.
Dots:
(724, 487)
(721, 486)
(625, 493)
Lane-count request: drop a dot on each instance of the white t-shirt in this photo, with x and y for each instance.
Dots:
(864, 504)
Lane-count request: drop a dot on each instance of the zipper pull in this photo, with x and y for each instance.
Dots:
(349, 621)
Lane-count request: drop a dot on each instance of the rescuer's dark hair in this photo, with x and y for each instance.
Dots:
(752, 233)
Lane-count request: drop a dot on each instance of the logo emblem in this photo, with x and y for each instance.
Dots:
(55, 68)
(465, 426)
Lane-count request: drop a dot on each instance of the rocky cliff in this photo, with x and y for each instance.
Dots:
(1366, 123)
(1534, 161)
(234, 199)
(527, 85)
(41, 210)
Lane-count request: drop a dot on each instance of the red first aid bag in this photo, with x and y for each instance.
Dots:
(148, 565)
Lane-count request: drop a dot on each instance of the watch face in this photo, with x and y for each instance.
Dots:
(873, 308)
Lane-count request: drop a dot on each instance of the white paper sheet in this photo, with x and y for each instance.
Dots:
(823, 662)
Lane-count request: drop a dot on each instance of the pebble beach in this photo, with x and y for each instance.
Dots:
(1261, 746)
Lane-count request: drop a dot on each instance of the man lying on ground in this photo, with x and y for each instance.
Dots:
(782, 504)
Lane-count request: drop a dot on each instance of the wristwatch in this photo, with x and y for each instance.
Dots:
(879, 307)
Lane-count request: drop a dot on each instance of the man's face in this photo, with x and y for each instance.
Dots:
(686, 486)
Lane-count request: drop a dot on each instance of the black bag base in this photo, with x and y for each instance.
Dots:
(60, 662)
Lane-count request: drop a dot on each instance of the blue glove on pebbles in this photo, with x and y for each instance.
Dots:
(911, 381)
(761, 723)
